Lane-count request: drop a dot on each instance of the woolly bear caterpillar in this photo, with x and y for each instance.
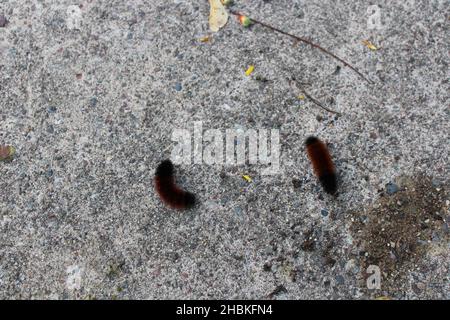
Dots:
(322, 164)
(168, 191)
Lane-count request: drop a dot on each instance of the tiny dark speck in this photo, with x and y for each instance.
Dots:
(178, 86)
(278, 290)
(49, 173)
(324, 212)
(338, 69)
(296, 183)
(51, 109)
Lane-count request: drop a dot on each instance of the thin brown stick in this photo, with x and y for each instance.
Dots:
(319, 104)
(305, 41)
(313, 99)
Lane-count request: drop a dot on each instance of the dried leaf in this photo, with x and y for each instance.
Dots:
(218, 15)
(369, 45)
(250, 70)
(247, 178)
(6, 152)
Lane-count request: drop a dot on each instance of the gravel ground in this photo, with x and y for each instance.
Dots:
(91, 92)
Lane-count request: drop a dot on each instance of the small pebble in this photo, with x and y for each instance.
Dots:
(435, 237)
(178, 86)
(350, 266)
(435, 183)
(51, 109)
(93, 102)
(339, 280)
(50, 129)
(3, 21)
(422, 286)
(268, 250)
(324, 212)
(391, 188)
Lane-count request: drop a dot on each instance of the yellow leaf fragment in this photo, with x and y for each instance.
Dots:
(205, 39)
(247, 178)
(227, 2)
(301, 97)
(383, 298)
(218, 15)
(369, 45)
(250, 70)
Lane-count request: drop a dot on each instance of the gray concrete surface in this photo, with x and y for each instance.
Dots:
(91, 92)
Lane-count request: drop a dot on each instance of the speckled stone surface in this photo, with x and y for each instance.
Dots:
(91, 91)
